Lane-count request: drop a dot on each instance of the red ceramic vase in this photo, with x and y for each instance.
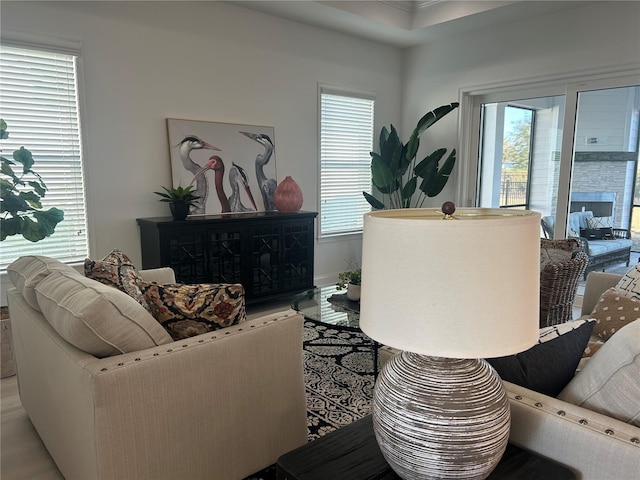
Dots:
(288, 196)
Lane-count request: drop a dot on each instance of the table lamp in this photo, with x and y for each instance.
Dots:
(448, 288)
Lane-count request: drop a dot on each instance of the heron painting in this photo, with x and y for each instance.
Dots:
(232, 166)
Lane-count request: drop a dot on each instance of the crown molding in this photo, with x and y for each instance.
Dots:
(407, 23)
(409, 6)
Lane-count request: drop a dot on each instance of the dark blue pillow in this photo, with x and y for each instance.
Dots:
(605, 233)
(547, 367)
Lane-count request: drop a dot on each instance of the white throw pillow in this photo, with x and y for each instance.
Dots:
(599, 222)
(610, 382)
(629, 284)
(27, 272)
(96, 318)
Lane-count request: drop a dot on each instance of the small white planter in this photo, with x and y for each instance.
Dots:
(353, 292)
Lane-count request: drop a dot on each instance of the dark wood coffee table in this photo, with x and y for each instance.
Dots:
(352, 453)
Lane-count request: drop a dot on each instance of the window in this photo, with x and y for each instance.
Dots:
(346, 140)
(39, 102)
(583, 141)
(506, 155)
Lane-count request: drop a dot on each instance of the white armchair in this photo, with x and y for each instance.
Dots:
(220, 405)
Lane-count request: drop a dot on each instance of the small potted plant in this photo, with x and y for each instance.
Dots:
(180, 199)
(350, 280)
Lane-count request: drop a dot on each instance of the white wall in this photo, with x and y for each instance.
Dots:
(146, 61)
(606, 34)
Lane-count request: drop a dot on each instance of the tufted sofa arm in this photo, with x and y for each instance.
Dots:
(594, 446)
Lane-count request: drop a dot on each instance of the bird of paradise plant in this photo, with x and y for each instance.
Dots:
(397, 175)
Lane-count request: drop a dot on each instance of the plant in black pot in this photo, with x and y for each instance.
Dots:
(180, 200)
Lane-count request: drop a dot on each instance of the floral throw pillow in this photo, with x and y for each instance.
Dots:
(189, 310)
(116, 270)
(118, 257)
(612, 312)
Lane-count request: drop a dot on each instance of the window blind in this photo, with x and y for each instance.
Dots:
(346, 140)
(39, 103)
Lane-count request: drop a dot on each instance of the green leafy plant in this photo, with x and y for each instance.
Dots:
(397, 175)
(184, 195)
(21, 191)
(350, 276)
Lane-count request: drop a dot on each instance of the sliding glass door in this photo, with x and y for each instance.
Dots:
(519, 163)
(526, 159)
(605, 155)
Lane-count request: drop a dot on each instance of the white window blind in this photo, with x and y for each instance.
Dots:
(39, 103)
(346, 140)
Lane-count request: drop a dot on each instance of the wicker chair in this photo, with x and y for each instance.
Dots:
(559, 281)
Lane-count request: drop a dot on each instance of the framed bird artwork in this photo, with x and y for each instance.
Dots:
(231, 166)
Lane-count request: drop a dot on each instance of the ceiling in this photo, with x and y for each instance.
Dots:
(406, 23)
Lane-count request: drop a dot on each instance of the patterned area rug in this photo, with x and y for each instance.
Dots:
(338, 371)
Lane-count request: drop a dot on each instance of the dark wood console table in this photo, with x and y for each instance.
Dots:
(269, 253)
(352, 453)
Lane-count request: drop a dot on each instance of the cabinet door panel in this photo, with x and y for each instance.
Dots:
(186, 255)
(297, 248)
(225, 256)
(265, 259)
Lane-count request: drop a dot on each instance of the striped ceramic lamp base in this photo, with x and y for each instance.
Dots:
(440, 418)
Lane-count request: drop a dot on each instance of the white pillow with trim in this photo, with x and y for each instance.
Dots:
(28, 271)
(97, 318)
(610, 382)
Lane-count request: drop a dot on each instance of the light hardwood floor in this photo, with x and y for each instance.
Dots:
(22, 453)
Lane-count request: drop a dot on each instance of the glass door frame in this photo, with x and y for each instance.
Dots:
(570, 86)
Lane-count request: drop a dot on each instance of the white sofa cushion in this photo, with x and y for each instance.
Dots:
(609, 382)
(578, 220)
(97, 318)
(27, 272)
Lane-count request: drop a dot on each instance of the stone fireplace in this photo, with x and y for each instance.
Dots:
(610, 173)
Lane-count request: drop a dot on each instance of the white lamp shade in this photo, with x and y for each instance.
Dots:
(461, 288)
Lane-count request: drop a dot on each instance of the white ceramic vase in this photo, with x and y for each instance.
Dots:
(353, 292)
